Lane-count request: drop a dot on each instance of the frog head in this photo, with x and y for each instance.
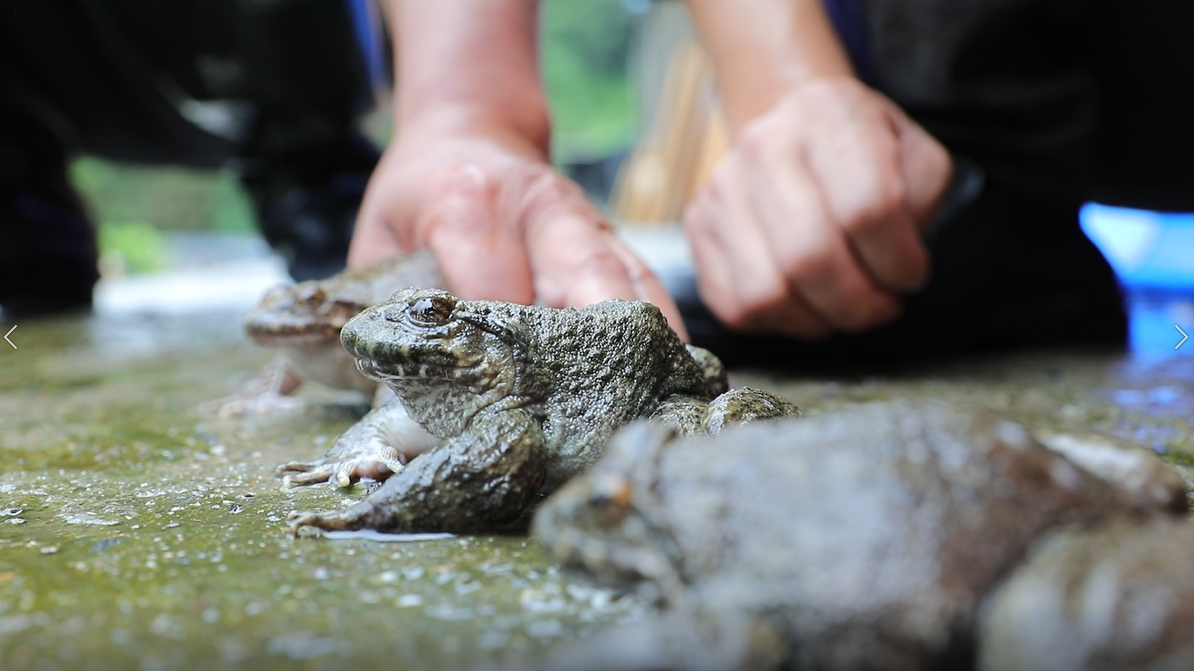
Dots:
(444, 357)
(603, 521)
(302, 314)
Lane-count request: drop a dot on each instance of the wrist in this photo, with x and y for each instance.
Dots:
(526, 133)
(765, 50)
(470, 68)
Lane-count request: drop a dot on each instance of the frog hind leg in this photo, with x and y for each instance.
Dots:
(376, 447)
(480, 480)
(684, 415)
(745, 404)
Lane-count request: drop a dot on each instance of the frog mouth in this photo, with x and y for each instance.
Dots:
(389, 370)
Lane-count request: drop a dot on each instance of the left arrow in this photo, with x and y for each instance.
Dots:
(8, 334)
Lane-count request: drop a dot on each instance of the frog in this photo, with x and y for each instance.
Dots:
(861, 538)
(1120, 596)
(521, 398)
(303, 321)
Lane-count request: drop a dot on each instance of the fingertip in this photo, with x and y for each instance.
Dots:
(372, 241)
(476, 268)
(647, 287)
(653, 292)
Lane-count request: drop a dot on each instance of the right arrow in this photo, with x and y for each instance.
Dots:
(1184, 336)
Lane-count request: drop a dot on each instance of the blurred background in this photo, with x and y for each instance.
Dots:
(636, 122)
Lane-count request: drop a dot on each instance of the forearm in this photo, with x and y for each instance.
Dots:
(764, 48)
(470, 66)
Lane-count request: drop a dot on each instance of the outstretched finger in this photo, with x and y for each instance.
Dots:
(372, 240)
(574, 261)
(647, 287)
(480, 256)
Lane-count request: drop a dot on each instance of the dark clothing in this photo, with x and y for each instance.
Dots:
(273, 89)
(1011, 273)
(1058, 101)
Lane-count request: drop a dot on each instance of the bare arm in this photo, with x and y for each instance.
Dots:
(470, 67)
(811, 225)
(468, 174)
(765, 48)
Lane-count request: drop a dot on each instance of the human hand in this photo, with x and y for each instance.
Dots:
(812, 223)
(502, 222)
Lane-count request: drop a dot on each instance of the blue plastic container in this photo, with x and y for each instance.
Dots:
(1153, 255)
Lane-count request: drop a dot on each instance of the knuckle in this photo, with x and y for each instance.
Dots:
(598, 261)
(875, 209)
(462, 178)
(541, 181)
(753, 304)
(756, 139)
(807, 266)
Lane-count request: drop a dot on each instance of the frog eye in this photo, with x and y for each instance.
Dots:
(431, 311)
(612, 496)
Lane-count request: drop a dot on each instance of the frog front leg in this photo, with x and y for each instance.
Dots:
(480, 480)
(376, 447)
(689, 416)
(745, 404)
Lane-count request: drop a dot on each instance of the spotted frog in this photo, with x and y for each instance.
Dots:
(520, 398)
(303, 321)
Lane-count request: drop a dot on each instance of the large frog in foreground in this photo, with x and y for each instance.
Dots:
(521, 399)
(862, 539)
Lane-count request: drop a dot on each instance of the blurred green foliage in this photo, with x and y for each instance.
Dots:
(171, 198)
(584, 51)
(584, 45)
(131, 246)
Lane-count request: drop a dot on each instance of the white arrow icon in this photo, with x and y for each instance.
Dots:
(15, 328)
(1184, 336)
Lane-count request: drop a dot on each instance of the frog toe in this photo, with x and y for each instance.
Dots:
(308, 476)
(305, 523)
(378, 468)
(293, 467)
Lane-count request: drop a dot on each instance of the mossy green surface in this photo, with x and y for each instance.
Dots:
(137, 532)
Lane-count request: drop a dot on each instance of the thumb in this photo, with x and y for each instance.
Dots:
(926, 167)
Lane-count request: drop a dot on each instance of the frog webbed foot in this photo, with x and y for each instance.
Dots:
(689, 416)
(351, 519)
(478, 481)
(383, 462)
(745, 404)
(376, 447)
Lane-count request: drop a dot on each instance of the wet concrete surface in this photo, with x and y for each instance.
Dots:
(138, 533)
